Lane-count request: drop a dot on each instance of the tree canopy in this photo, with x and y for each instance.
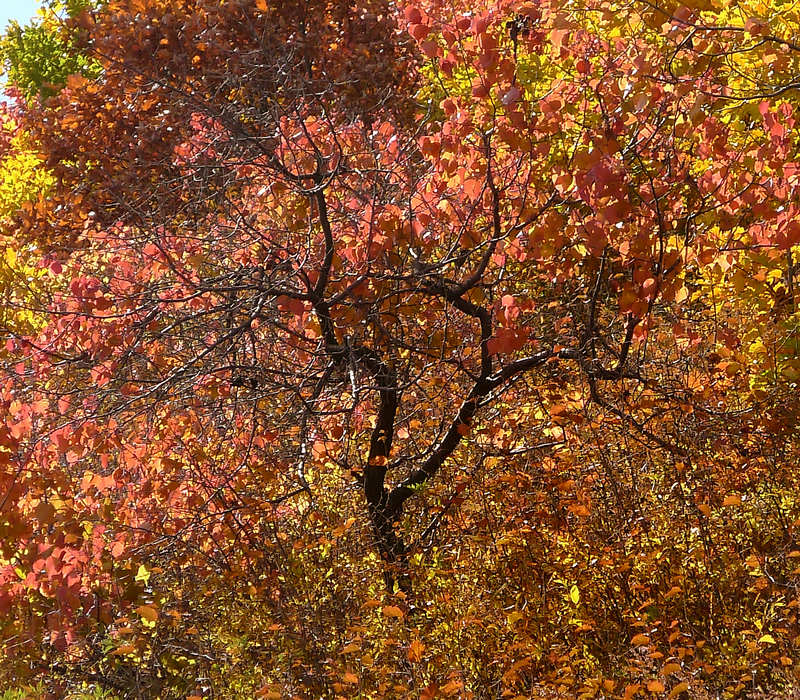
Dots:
(401, 349)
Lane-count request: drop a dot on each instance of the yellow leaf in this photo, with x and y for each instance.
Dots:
(733, 368)
(574, 594)
(513, 617)
(142, 575)
(639, 640)
(767, 639)
(392, 611)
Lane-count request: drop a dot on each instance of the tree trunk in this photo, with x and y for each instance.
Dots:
(391, 547)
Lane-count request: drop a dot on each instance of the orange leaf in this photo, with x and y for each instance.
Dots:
(631, 690)
(472, 188)
(580, 510)
(148, 612)
(682, 687)
(123, 649)
(45, 512)
(392, 611)
(429, 692)
(415, 651)
(268, 693)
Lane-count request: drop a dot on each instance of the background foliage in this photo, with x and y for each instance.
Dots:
(400, 350)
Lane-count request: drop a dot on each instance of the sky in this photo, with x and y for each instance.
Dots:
(20, 10)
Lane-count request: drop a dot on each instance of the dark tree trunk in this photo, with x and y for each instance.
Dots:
(391, 547)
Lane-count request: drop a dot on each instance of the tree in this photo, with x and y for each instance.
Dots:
(313, 265)
(23, 181)
(40, 56)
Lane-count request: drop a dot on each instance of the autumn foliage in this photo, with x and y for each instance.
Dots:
(403, 350)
